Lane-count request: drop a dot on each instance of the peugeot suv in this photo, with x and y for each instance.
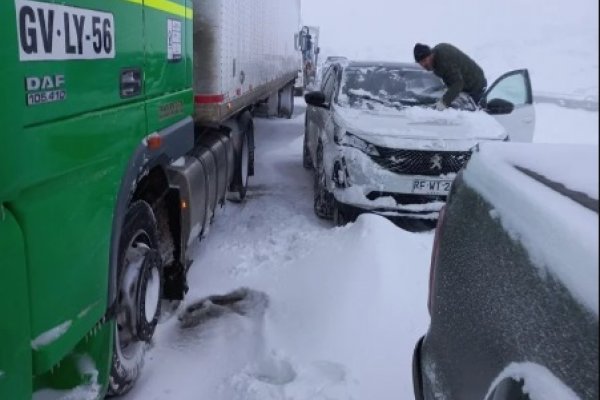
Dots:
(376, 143)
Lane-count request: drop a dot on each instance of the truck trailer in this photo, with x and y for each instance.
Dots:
(125, 125)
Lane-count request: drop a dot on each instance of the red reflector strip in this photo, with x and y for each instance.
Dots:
(208, 98)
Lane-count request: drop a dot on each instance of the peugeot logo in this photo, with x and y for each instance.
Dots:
(436, 162)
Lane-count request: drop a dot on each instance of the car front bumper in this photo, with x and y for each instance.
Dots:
(358, 182)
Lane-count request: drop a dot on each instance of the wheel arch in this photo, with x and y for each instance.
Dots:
(142, 178)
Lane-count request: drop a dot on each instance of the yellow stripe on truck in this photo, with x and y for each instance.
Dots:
(166, 6)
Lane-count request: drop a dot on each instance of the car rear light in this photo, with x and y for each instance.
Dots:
(435, 255)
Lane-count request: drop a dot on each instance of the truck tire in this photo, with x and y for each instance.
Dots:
(139, 287)
(286, 101)
(244, 163)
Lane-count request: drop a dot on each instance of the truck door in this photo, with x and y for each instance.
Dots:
(515, 87)
(80, 96)
(167, 65)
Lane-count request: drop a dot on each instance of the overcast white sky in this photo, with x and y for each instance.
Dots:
(550, 37)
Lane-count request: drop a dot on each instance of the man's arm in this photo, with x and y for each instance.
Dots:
(455, 83)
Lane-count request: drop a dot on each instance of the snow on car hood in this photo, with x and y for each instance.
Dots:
(420, 128)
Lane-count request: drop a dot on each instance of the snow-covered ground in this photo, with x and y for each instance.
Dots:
(345, 305)
(334, 313)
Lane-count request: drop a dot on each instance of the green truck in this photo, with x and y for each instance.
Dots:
(125, 125)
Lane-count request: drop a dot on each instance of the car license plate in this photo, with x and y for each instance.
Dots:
(430, 186)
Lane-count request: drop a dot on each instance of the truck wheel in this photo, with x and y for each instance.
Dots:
(244, 160)
(323, 198)
(139, 287)
(286, 101)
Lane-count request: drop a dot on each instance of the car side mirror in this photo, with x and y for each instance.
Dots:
(316, 99)
(499, 107)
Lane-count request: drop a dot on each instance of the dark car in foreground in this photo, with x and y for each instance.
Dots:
(513, 294)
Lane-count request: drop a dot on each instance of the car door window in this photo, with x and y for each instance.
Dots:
(513, 87)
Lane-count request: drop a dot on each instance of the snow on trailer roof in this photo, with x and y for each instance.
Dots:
(546, 196)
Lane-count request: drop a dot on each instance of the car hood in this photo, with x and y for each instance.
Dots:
(420, 128)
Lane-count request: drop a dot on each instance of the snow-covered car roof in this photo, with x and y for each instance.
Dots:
(385, 64)
(546, 197)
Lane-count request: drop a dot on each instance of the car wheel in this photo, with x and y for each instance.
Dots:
(323, 198)
(509, 389)
(339, 219)
(306, 161)
(139, 292)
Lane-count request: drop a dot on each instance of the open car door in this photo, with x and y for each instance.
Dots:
(513, 87)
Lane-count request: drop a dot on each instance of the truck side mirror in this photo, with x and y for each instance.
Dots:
(317, 50)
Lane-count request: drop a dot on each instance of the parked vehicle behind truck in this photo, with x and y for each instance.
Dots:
(308, 44)
(125, 126)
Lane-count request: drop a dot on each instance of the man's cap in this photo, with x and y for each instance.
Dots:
(421, 51)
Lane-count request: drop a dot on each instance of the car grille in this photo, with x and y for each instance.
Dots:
(421, 162)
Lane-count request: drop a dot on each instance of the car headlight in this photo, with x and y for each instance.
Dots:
(351, 140)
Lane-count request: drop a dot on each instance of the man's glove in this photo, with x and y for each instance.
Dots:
(439, 105)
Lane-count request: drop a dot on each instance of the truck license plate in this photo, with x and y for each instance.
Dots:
(49, 31)
(430, 186)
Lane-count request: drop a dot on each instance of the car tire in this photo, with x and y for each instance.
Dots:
(323, 198)
(306, 161)
(509, 389)
(339, 219)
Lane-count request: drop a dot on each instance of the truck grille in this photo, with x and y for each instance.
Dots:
(421, 162)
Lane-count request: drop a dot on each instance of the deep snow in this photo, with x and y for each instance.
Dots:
(346, 305)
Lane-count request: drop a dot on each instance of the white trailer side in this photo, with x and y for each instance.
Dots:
(244, 52)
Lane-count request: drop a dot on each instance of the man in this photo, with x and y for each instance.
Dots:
(458, 71)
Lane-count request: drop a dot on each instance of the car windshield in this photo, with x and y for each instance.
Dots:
(390, 86)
